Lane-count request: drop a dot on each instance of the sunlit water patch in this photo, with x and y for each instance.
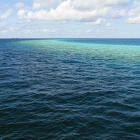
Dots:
(70, 89)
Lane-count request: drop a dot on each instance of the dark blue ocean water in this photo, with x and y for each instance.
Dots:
(70, 89)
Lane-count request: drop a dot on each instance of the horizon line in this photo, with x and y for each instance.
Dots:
(68, 38)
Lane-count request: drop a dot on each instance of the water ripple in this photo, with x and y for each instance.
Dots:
(62, 90)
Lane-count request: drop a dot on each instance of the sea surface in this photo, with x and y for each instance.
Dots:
(69, 89)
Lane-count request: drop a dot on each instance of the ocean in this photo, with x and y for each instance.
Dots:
(69, 89)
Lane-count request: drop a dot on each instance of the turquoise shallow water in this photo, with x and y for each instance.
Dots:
(70, 89)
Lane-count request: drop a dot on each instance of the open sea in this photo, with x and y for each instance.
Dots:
(69, 89)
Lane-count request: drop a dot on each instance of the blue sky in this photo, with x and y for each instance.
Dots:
(70, 18)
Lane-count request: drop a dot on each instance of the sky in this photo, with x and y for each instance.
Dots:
(70, 18)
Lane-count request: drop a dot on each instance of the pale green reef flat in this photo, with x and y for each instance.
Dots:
(92, 50)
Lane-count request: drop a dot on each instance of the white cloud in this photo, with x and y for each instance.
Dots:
(93, 11)
(118, 14)
(133, 20)
(21, 14)
(134, 15)
(19, 5)
(29, 30)
(134, 12)
(136, 3)
(38, 30)
(64, 22)
(12, 29)
(51, 30)
(37, 4)
(4, 31)
(96, 4)
(108, 25)
(97, 22)
(117, 2)
(87, 5)
(89, 31)
(23, 22)
(6, 14)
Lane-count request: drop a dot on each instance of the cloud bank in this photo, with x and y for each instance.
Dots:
(134, 15)
(6, 14)
(94, 12)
